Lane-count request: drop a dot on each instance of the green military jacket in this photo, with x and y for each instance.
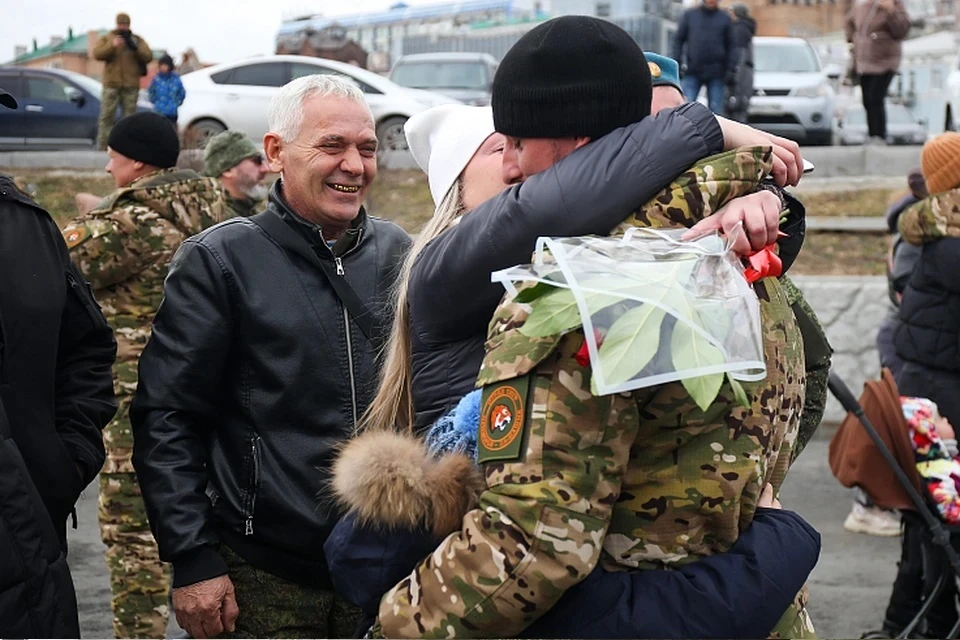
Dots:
(121, 66)
(636, 480)
(243, 207)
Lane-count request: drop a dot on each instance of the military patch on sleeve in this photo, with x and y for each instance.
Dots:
(75, 236)
(503, 420)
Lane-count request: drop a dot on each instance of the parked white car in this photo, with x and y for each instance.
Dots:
(236, 95)
(792, 96)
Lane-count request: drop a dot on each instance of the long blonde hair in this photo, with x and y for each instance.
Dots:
(392, 407)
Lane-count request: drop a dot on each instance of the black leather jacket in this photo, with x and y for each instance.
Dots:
(251, 379)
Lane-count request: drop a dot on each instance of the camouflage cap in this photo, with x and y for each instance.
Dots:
(226, 150)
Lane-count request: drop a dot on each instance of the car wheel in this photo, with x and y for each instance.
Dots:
(391, 136)
(199, 133)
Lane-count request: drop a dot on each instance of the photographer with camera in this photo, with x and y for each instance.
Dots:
(125, 56)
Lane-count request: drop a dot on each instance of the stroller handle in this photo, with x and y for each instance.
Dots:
(842, 392)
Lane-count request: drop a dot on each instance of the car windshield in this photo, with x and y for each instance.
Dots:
(440, 75)
(784, 58)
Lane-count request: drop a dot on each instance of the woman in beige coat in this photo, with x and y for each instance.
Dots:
(876, 29)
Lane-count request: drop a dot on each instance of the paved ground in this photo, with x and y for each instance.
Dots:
(848, 589)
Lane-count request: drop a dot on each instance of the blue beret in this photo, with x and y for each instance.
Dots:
(663, 70)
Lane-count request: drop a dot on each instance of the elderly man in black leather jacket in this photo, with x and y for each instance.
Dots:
(262, 360)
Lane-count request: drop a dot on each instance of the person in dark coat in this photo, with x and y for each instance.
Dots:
(705, 49)
(56, 394)
(740, 81)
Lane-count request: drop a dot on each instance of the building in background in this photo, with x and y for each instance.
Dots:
(73, 53)
(329, 42)
(381, 34)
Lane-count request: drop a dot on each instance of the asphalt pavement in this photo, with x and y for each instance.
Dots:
(848, 589)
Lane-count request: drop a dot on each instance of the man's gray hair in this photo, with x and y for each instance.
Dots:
(285, 115)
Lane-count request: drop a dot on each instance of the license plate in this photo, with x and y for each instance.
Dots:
(770, 109)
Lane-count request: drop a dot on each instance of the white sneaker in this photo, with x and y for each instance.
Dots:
(872, 521)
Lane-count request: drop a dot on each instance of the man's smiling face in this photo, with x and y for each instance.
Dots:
(328, 167)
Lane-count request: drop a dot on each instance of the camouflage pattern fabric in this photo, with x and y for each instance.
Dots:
(243, 207)
(932, 218)
(274, 608)
(640, 480)
(818, 366)
(123, 248)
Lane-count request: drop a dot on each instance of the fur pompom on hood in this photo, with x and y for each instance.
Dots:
(390, 480)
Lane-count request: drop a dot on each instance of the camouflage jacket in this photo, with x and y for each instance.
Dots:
(932, 218)
(243, 207)
(123, 246)
(637, 480)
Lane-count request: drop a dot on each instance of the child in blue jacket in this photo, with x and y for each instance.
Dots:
(166, 91)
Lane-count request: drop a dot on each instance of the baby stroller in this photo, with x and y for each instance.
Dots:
(893, 479)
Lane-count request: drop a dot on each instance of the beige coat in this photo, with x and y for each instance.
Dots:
(876, 35)
(121, 66)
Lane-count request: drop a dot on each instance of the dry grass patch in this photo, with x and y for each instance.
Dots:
(842, 254)
(860, 202)
(401, 195)
(55, 189)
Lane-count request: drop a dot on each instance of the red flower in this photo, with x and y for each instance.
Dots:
(583, 354)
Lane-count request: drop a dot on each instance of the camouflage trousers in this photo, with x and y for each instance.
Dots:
(271, 607)
(139, 581)
(112, 96)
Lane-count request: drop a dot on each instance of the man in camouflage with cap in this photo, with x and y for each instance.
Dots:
(641, 480)
(123, 247)
(125, 56)
(239, 165)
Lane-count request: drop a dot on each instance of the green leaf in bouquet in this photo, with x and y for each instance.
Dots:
(738, 392)
(714, 318)
(557, 311)
(630, 344)
(532, 293)
(690, 350)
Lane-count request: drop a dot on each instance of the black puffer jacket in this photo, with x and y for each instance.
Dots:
(929, 331)
(37, 599)
(252, 377)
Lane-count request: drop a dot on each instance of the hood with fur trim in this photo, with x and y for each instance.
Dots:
(390, 480)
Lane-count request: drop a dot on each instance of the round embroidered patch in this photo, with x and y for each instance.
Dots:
(502, 419)
(75, 236)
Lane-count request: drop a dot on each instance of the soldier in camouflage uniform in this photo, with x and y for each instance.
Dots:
(640, 480)
(123, 247)
(551, 511)
(239, 166)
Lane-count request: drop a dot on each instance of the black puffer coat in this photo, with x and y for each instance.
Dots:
(37, 599)
(929, 331)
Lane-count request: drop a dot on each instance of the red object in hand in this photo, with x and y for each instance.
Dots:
(763, 264)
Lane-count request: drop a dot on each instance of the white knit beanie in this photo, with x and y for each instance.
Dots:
(443, 140)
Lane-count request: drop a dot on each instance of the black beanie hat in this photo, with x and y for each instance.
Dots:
(571, 76)
(147, 137)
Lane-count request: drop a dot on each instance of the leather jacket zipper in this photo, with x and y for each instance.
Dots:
(254, 483)
(346, 326)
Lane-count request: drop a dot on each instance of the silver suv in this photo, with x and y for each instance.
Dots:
(792, 96)
(467, 77)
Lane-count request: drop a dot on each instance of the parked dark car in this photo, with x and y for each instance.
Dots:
(57, 109)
